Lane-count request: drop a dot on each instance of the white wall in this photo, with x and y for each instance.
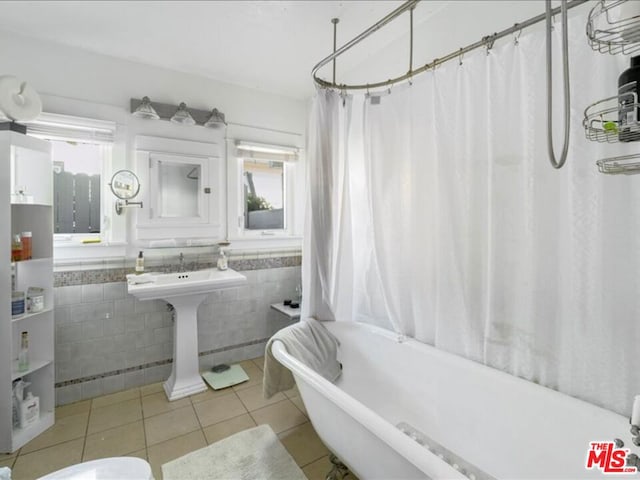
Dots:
(72, 81)
(73, 73)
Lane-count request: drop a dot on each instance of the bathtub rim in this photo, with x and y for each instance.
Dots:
(422, 458)
(460, 360)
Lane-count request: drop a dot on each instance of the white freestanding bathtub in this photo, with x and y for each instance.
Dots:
(473, 421)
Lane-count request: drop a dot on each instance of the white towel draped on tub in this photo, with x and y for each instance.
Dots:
(309, 342)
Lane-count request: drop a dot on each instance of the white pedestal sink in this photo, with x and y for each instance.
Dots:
(185, 291)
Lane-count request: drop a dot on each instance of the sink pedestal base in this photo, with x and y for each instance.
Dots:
(185, 376)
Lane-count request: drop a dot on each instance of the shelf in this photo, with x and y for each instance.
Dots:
(292, 313)
(29, 166)
(23, 435)
(33, 261)
(34, 366)
(602, 119)
(31, 204)
(623, 165)
(614, 27)
(30, 315)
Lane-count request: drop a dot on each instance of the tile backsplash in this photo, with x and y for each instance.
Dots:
(107, 341)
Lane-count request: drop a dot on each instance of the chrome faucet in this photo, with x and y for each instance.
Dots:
(181, 269)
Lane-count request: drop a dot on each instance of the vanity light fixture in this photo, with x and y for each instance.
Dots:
(182, 116)
(216, 120)
(177, 114)
(146, 110)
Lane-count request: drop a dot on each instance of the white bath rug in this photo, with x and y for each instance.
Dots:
(249, 455)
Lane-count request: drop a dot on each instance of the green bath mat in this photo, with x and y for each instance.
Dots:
(228, 378)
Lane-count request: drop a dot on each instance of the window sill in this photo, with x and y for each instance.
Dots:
(266, 242)
(79, 244)
(74, 253)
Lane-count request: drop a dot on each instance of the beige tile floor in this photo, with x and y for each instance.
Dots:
(141, 422)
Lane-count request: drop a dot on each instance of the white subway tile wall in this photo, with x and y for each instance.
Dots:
(107, 341)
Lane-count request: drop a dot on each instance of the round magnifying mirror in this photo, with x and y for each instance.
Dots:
(125, 184)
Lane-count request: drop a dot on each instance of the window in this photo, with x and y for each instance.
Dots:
(81, 150)
(263, 194)
(263, 182)
(77, 170)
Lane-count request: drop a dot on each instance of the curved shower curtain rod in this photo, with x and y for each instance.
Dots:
(486, 42)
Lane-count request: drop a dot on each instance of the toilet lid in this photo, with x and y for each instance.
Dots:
(130, 468)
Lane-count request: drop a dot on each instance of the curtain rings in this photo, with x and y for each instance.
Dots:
(516, 36)
(489, 40)
(343, 96)
(460, 57)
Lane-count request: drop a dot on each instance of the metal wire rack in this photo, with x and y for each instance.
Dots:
(614, 27)
(623, 165)
(613, 119)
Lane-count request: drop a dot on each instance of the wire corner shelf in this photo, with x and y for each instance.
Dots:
(622, 165)
(613, 27)
(613, 119)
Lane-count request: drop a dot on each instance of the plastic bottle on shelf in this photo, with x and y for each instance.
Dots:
(29, 410)
(140, 264)
(27, 249)
(16, 249)
(18, 397)
(629, 112)
(23, 356)
(222, 260)
(18, 305)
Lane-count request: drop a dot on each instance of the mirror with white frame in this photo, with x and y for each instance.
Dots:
(179, 187)
(186, 184)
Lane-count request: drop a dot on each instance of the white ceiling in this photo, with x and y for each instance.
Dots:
(266, 45)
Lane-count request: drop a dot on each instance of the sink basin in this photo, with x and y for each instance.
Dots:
(183, 277)
(169, 285)
(185, 291)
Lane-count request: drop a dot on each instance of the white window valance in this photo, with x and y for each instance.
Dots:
(262, 151)
(65, 127)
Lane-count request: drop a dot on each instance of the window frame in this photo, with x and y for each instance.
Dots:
(106, 153)
(285, 205)
(235, 199)
(61, 128)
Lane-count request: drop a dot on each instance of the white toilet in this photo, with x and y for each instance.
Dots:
(115, 468)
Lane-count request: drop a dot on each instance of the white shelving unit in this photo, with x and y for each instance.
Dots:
(25, 164)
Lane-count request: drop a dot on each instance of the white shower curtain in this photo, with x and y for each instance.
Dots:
(434, 212)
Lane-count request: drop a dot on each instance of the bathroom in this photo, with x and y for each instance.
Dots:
(426, 207)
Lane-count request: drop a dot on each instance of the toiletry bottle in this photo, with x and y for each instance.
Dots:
(628, 111)
(15, 401)
(140, 263)
(16, 249)
(18, 304)
(29, 410)
(23, 356)
(18, 397)
(222, 260)
(25, 237)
